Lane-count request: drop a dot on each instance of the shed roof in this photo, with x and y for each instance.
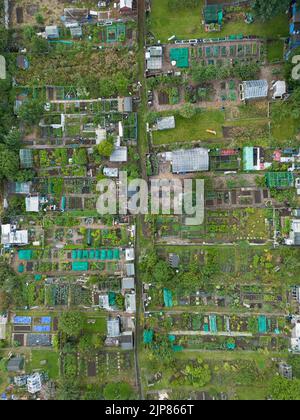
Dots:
(119, 155)
(113, 327)
(193, 160)
(126, 4)
(32, 204)
(166, 123)
(130, 302)
(130, 270)
(76, 32)
(128, 283)
(2, 68)
(15, 364)
(52, 32)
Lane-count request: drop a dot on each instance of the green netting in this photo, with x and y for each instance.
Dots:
(168, 298)
(279, 179)
(116, 254)
(98, 254)
(63, 203)
(148, 336)
(262, 324)
(38, 277)
(111, 298)
(80, 266)
(231, 346)
(25, 254)
(206, 327)
(181, 56)
(103, 254)
(172, 338)
(80, 254)
(177, 348)
(110, 254)
(85, 255)
(216, 51)
(74, 255)
(211, 14)
(213, 324)
(208, 52)
(21, 269)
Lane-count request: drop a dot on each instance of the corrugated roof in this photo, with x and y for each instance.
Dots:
(193, 160)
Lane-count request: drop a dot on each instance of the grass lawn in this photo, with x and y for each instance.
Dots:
(38, 356)
(283, 129)
(187, 24)
(275, 51)
(194, 129)
(98, 327)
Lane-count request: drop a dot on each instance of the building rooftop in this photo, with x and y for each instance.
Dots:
(130, 302)
(32, 204)
(2, 68)
(128, 283)
(255, 89)
(193, 160)
(113, 328)
(15, 364)
(11, 236)
(166, 123)
(119, 155)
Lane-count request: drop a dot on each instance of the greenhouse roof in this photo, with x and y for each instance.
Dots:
(26, 158)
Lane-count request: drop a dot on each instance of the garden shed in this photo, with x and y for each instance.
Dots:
(113, 328)
(2, 68)
(32, 204)
(166, 123)
(52, 32)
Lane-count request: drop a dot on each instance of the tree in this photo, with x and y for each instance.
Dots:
(13, 140)
(118, 391)
(9, 163)
(106, 148)
(188, 111)
(267, 9)
(31, 111)
(282, 389)
(162, 273)
(71, 323)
